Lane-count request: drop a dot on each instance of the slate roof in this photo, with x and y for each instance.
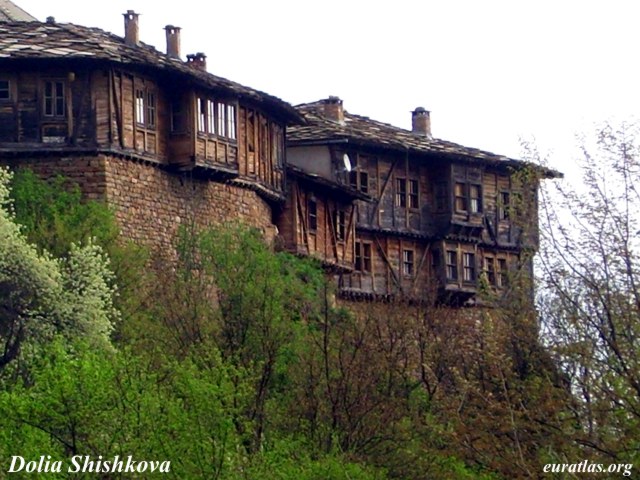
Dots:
(363, 131)
(10, 12)
(35, 40)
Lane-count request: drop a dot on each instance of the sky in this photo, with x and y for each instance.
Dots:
(491, 72)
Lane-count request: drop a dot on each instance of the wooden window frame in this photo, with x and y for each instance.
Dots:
(312, 215)
(51, 102)
(359, 180)
(341, 224)
(146, 107)
(469, 267)
(231, 117)
(408, 262)
(475, 202)
(504, 205)
(461, 199)
(401, 192)
(502, 273)
(413, 200)
(9, 96)
(451, 258)
(362, 258)
(468, 197)
(490, 270)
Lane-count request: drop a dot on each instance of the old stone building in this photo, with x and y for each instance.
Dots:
(440, 217)
(391, 213)
(160, 139)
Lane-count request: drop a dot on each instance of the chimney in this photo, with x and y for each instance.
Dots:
(197, 61)
(131, 34)
(421, 122)
(333, 109)
(173, 41)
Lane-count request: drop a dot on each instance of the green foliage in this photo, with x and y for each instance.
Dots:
(55, 216)
(233, 362)
(591, 298)
(41, 296)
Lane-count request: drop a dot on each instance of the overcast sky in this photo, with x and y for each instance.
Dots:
(490, 71)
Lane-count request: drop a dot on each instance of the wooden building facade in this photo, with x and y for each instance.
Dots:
(68, 91)
(442, 218)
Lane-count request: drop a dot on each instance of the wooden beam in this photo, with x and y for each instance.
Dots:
(386, 259)
(419, 269)
(303, 218)
(384, 189)
(348, 233)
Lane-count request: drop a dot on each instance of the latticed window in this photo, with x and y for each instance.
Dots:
(502, 276)
(489, 270)
(468, 267)
(313, 215)
(475, 198)
(504, 205)
(452, 265)
(54, 98)
(413, 193)
(461, 197)
(341, 224)
(401, 192)
(363, 257)
(5, 90)
(231, 122)
(407, 262)
(145, 108)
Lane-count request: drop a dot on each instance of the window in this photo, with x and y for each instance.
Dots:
(140, 106)
(468, 267)
(363, 257)
(407, 263)
(313, 215)
(206, 116)
(401, 192)
(452, 265)
(406, 193)
(151, 109)
(145, 108)
(475, 198)
(461, 197)
(468, 197)
(222, 122)
(359, 181)
(413, 193)
(502, 273)
(489, 270)
(54, 102)
(231, 122)
(5, 91)
(340, 224)
(504, 206)
(441, 197)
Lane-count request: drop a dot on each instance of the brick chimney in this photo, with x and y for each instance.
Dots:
(131, 33)
(197, 61)
(421, 122)
(333, 109)
(173, 41)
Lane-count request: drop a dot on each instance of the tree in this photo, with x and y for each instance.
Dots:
(41, 296)
(590, 296)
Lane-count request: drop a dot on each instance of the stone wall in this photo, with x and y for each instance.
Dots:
(150, 202)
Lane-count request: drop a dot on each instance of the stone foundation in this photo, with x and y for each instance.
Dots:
(151, 202)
